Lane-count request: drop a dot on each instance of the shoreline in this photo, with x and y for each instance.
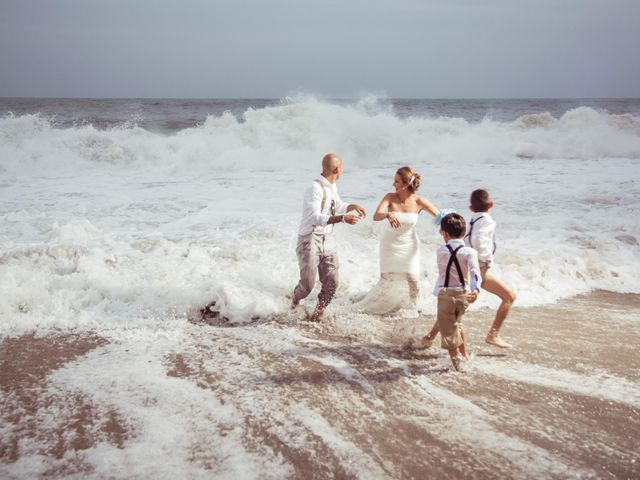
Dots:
(309, 400)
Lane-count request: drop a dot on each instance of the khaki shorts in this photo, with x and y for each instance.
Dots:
(451, 306)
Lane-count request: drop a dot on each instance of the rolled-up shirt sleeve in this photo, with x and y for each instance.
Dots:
(312, 204)
(341, 207)
(475, 277)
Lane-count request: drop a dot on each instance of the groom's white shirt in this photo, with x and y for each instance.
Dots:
(312, 216)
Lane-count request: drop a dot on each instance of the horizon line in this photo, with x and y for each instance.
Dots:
(312, 96)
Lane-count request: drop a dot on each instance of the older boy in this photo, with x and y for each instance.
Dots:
(481, 237)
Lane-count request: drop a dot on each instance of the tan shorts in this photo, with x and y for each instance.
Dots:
(451, 306)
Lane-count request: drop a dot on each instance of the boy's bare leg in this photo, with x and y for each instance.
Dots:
(454, 353)
(494, 285)
(463, 347)
(430, 337)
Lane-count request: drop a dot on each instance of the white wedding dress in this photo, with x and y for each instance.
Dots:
(398, 287)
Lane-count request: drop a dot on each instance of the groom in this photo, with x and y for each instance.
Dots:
(316, 249)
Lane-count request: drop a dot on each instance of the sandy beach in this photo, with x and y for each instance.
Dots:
(328, 401)
(171, 173)
(115, 235)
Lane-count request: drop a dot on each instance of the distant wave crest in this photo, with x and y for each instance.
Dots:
(298, 130)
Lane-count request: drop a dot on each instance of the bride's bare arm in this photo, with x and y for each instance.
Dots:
(383, 208)
(382, 212)
(427, 205)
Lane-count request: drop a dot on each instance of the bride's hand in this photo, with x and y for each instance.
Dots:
(393, 220)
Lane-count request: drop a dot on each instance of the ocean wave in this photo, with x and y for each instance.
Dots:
(365, 132)
(124, 225)
(78, 275)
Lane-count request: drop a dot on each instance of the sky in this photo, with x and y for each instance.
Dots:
(330, 48)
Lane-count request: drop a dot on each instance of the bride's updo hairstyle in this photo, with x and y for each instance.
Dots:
(409, 177)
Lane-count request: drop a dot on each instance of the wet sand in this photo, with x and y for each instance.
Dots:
(282, 399)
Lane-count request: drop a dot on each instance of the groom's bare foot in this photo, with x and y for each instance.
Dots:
(313, 317)
(316, 316)
(494, 339)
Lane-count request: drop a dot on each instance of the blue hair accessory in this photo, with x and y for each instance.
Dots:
(441, 214)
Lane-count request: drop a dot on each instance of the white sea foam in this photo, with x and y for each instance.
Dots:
(173, 420)
(123, 226)
(345, 370)
(459, 420)
(599, 385)
(266, 400)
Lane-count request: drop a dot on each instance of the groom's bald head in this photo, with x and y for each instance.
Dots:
(330, 163)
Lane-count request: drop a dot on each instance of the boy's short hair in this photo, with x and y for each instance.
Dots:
(454, 225)
(480, 200)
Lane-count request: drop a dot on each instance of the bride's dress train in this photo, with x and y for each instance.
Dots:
(399, 285)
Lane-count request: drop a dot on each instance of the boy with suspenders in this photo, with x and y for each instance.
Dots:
(458, 285)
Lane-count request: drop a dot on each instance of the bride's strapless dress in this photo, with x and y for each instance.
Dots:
(399, 269)
(399, 247)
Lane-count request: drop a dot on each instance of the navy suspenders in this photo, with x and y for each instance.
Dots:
(453, 260)
(471, 224)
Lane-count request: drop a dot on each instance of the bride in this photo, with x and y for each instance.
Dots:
(399, 284)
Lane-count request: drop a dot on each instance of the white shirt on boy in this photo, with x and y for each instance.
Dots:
(468, 259)
(482, 237)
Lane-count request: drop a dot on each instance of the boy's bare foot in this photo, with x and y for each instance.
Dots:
(426, 342)
(494, 339)
(458, 363)
(294, 304)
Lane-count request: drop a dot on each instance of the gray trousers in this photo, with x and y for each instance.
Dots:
(317, 255)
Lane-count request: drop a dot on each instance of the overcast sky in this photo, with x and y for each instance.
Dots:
(332, 48)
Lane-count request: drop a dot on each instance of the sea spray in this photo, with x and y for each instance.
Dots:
(122, 225)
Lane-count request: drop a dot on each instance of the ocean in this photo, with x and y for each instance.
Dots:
(121, 218)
